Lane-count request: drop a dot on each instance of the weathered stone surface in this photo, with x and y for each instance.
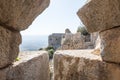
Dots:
(72, 41)
(82, 65)
(54, 40)
(110, 40)
(100, 15)
(9, 46)
(31, 66)
(19, 14)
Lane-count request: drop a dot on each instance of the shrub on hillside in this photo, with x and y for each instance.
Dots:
(48, 48)
(51, 52)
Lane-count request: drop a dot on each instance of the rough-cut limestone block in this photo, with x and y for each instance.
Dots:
(19, 14)
(110, 40)
(82, 65)
(9, 46)
(31, 66)
(98, 15)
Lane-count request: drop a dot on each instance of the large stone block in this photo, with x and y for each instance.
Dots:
(9, 46)
(19, 14)
(31, 66)
(98, 15)
(110, 40)
(82, 65)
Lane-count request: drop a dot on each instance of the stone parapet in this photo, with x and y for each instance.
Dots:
(31, 66)
(82, 65)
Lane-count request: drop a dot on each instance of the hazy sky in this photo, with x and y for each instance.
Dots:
(60, 14)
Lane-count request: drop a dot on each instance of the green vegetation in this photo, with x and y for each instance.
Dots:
(17, 59)
(83, 31)
(48, 48)
(50, 51)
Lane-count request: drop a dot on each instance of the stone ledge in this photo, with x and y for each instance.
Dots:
(82, 65)
(31, 66)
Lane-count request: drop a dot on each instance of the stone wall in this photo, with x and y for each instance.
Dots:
(98, 16)
(16, 15)
(30, 66)
(78, 41)
(82, 65)
(106, 20)
(72, 41)
(54, 40)
(65, 41)
(101, 16)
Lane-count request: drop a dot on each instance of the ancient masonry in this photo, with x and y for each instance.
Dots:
(70, 41)
(105, 18)
(102, 16)
(54, 40)
(77, 41)
(17, 15)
